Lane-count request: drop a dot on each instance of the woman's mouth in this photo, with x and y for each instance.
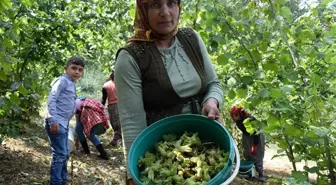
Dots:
(164, 22)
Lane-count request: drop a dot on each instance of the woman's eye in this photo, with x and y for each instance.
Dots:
(172, 2)
(154, 5)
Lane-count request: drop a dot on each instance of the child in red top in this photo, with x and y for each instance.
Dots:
(109, 93)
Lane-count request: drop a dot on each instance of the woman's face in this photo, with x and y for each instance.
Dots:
(163, 15)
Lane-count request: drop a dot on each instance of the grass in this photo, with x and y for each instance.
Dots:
(90, 84)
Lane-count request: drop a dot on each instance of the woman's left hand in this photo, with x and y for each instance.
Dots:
(210, 109)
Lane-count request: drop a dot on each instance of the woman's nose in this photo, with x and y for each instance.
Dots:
(164, 10)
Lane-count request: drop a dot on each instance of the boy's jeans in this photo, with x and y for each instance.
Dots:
(60, 155)
(93, 138)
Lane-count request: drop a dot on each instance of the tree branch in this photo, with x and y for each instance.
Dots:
(24, 64)
(197, 10)
(239, 40)
(283, 35)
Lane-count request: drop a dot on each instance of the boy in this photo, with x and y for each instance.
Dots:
(109, 92)
(61, 106)
(253, 144)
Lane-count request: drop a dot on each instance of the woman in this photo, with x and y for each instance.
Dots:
(163, 71)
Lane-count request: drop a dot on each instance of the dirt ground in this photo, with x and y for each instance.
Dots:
(26, 160)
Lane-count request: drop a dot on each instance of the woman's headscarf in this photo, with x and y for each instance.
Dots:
(142, 30)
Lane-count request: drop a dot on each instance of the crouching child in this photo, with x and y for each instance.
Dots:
(91, 121)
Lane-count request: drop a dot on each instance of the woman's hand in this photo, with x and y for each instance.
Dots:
(210, 109)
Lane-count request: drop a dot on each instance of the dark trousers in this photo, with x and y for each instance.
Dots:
(258, 155)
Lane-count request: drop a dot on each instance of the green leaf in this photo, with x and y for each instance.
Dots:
(214, 45)
(242, 93)
(287, 88)
(314, 152)
(231, 94)
(15, 86)
(3, 76)
(260, 74)
(314, 169)
(276, 93)
(293, 76)
(271, 67)
(15, 99)
(8, 43)
(282, 144)
(273, 124)
(255, 101)
(333, 88)
(300, 176)
(4, 4)
(23, 90)
(316, 78)
(286, 12)
(223, 59)
(264, 93)
(27, 2)
(320, 131)
(306, 34)
(273, 120)
(290, 130)
(250, 128)
(285, 59)
(263, 46)
(231, 82)
(256, 55)
(247, 80)
(5, 66)
(325, 2)
(333, 60)
(313, 91)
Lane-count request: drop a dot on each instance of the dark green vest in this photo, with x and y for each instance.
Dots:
(159, 98)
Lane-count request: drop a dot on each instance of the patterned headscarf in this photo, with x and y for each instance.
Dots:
(142, 30)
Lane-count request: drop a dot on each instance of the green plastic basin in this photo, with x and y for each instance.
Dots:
(246, 165)
(208, 130)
